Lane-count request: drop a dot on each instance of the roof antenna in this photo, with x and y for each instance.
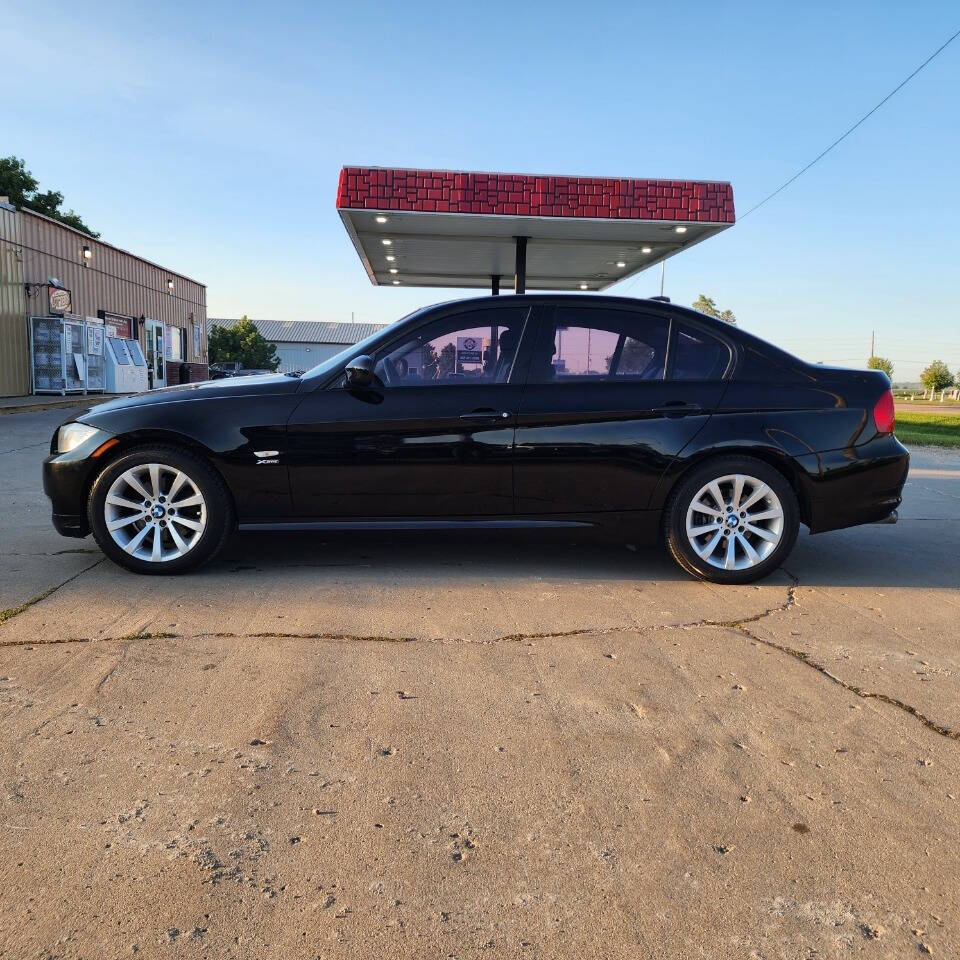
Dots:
(663, 270)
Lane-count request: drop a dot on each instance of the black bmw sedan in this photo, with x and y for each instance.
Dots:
(634, 419)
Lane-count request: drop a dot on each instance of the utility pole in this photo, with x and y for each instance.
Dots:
(872, 335)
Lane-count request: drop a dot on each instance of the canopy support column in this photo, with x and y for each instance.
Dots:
(495, 285)
(520, 273)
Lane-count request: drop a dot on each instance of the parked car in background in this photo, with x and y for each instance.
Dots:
(221, 371)
(634, 419)
(218, 371)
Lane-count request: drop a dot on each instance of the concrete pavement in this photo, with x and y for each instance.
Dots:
(428, 746)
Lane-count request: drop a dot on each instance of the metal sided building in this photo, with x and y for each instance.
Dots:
(133, 298)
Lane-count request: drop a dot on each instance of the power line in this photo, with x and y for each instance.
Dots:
(843, 137)
(821, 155)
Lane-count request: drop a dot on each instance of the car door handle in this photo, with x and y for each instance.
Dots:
(485, 413)
(678, 408)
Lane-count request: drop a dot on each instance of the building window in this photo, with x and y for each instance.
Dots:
(175, 338)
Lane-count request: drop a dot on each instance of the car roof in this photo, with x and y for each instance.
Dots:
(664, 307)
(586, 299)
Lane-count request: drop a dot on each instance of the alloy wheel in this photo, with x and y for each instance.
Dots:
(155, 512)
(735, 522)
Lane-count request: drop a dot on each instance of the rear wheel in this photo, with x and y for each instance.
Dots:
(159, 509)
(732, 520)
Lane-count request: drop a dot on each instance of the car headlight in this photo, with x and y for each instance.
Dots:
(71, 435)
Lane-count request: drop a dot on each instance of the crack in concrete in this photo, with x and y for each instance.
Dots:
(335, 637)
(11, 612)
(29, 446)
(739, 625)
(55, 553)
(804, 658)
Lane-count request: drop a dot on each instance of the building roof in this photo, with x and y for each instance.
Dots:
(458, 229)
(306, 331)
(95, 242)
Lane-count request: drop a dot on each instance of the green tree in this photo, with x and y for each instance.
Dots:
(937, 376)
(881, 363)
(242, 343)
(428, 361)
(22, 188)
(447, 361)
(708, 305)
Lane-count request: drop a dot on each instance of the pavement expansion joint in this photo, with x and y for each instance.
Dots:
(739, 625)
(12, 612)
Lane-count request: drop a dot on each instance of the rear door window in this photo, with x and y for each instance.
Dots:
(587, 343)
(697, 355)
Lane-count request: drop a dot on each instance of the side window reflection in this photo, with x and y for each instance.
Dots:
(600, 344)
(479, 347)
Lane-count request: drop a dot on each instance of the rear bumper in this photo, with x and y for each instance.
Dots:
(844, 488)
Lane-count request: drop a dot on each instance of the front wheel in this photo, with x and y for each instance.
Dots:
(732, 520)
(159, 509)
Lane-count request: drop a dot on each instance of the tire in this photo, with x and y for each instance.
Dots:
(128, 509)
(762, 534)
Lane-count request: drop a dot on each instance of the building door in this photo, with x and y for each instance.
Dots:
(156, 370)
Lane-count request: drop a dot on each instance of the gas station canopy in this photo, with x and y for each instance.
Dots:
(441, 228)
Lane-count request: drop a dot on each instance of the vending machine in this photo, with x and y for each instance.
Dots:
(140, 364)
(126, 368)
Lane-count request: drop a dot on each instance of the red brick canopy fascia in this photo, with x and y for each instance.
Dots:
(527, 195)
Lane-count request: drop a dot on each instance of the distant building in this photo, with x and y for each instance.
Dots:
(302, 344)
(56, 282)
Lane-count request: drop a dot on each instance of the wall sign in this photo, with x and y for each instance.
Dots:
(117, 325)
(59, 299)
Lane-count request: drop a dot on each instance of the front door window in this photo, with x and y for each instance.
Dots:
(471, 349)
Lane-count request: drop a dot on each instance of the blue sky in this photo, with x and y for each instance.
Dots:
(208, 137)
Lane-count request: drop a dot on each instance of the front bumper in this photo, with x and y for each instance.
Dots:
(844, 488)
(66, 481)
(71, 525)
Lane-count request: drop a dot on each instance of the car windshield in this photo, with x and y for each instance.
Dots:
(356, 349)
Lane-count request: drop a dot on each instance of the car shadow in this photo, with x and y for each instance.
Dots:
(870, 556)
(439, 555)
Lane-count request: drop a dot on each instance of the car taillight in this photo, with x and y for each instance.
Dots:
(883, 415)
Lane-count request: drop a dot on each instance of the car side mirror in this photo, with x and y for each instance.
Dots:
(359, 371)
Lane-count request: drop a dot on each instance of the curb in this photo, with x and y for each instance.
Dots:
(41, 407)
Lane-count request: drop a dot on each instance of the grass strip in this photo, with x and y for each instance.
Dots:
(928, 429)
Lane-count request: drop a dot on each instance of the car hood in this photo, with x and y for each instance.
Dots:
(264, 385)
